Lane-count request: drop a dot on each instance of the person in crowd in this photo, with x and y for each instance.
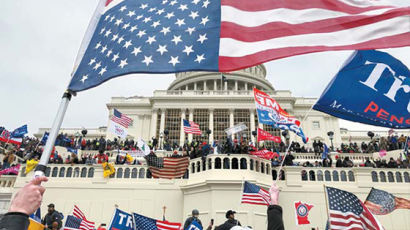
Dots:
(194, 217)
(327, 162)
(51, 217)
(392, 163)
(101, 156)
(339, 162)
(289, 159)
(26, 201)
(368, 163)
(231, 222)
(347, 163)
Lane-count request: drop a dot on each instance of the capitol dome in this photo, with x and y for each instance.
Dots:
(245, 79)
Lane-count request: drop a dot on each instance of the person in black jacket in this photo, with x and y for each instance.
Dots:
(275, 219)
(26, 202)
(230, 223)
(51, 217)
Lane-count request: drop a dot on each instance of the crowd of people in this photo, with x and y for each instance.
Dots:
(31, 148)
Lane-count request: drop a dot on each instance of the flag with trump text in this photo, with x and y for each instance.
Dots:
(346, 211)
(253, 194)
(19, 132)
(145, 223)
(167, 167)
(266, 136)
(379, 91)
(380, 202)
(121, 221)
(164, 36)
(265, 154)
(270, 113)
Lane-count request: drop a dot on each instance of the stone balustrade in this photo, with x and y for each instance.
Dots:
(7, 181)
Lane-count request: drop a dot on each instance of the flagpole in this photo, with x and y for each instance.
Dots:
(327, 205)
(240, 197)
(58, 120)
(281, 164)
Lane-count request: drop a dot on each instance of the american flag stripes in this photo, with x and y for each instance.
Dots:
(146, 223)
(168, 167)
(84, 224)
(121, 119)
(191, 127)
(346, 211)
(253, 194)
(5, 136)
(164, 36)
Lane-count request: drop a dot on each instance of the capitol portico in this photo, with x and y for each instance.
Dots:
(217, 101)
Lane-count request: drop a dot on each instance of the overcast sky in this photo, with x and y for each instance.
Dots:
(38, 45)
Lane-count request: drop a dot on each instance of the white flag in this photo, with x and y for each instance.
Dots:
(118, 130)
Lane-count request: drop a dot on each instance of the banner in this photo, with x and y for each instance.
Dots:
(121, 221)
(265, 154)
(270, 113)
(236, 129)
(372, 88)
(12, 170)
(118, 130)
(143, 146)
(19, 132)
(266, 136)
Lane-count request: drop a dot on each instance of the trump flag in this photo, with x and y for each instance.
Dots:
(167, 36)
(372, 88)
(270, 113)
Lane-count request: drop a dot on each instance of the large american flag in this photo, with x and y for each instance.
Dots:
(121, 119)
(253, 194)
(146, 223)
(5, 136)
(164, 36)
(85, 224)
(346, 211)
(167, 167)
(191, 127)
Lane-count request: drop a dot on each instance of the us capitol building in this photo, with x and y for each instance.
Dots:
(212, 187)
(217, 103)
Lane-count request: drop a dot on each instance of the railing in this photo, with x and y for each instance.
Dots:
(239, 163)
(355, 157)
(7, 181)
(202, 92)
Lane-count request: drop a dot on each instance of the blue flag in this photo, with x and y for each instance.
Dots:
(36, 216)
(19, 132)
(194, 226)
(121, 220)
(325, 151)
(372, 88)
(44, 138)
(72, 150)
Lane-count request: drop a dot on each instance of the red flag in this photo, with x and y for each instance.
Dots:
(302, 212)
(265, 154)
(264, 135)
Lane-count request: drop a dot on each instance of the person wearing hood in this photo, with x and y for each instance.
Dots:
(194, 217)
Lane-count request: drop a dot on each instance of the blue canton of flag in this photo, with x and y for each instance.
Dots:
(72, 222)
(150, 36)
(19, 132)
(36, 216)
(194, 226)
(325, 151)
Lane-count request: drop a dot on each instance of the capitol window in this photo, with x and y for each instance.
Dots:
(316, 124)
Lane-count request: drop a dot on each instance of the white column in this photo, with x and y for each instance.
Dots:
(236, 85)
(186, 87)
(246, 86)
(191, 118)
(154, 119)
(205, 86)
(182, 133)
(195, 86)
(215, 85)
(211, 125)
(226, 85)
(231, 120)
(252, 118)
(162, 123)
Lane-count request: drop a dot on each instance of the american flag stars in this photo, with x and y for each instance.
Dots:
(141, 35)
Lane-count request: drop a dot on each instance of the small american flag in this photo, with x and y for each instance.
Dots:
(146, 223)
(346, 211)
(253, 194)
(74, 223)
(380, 202)
(85, 224)
(191, 127)
(121, 119)
(167, 167)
